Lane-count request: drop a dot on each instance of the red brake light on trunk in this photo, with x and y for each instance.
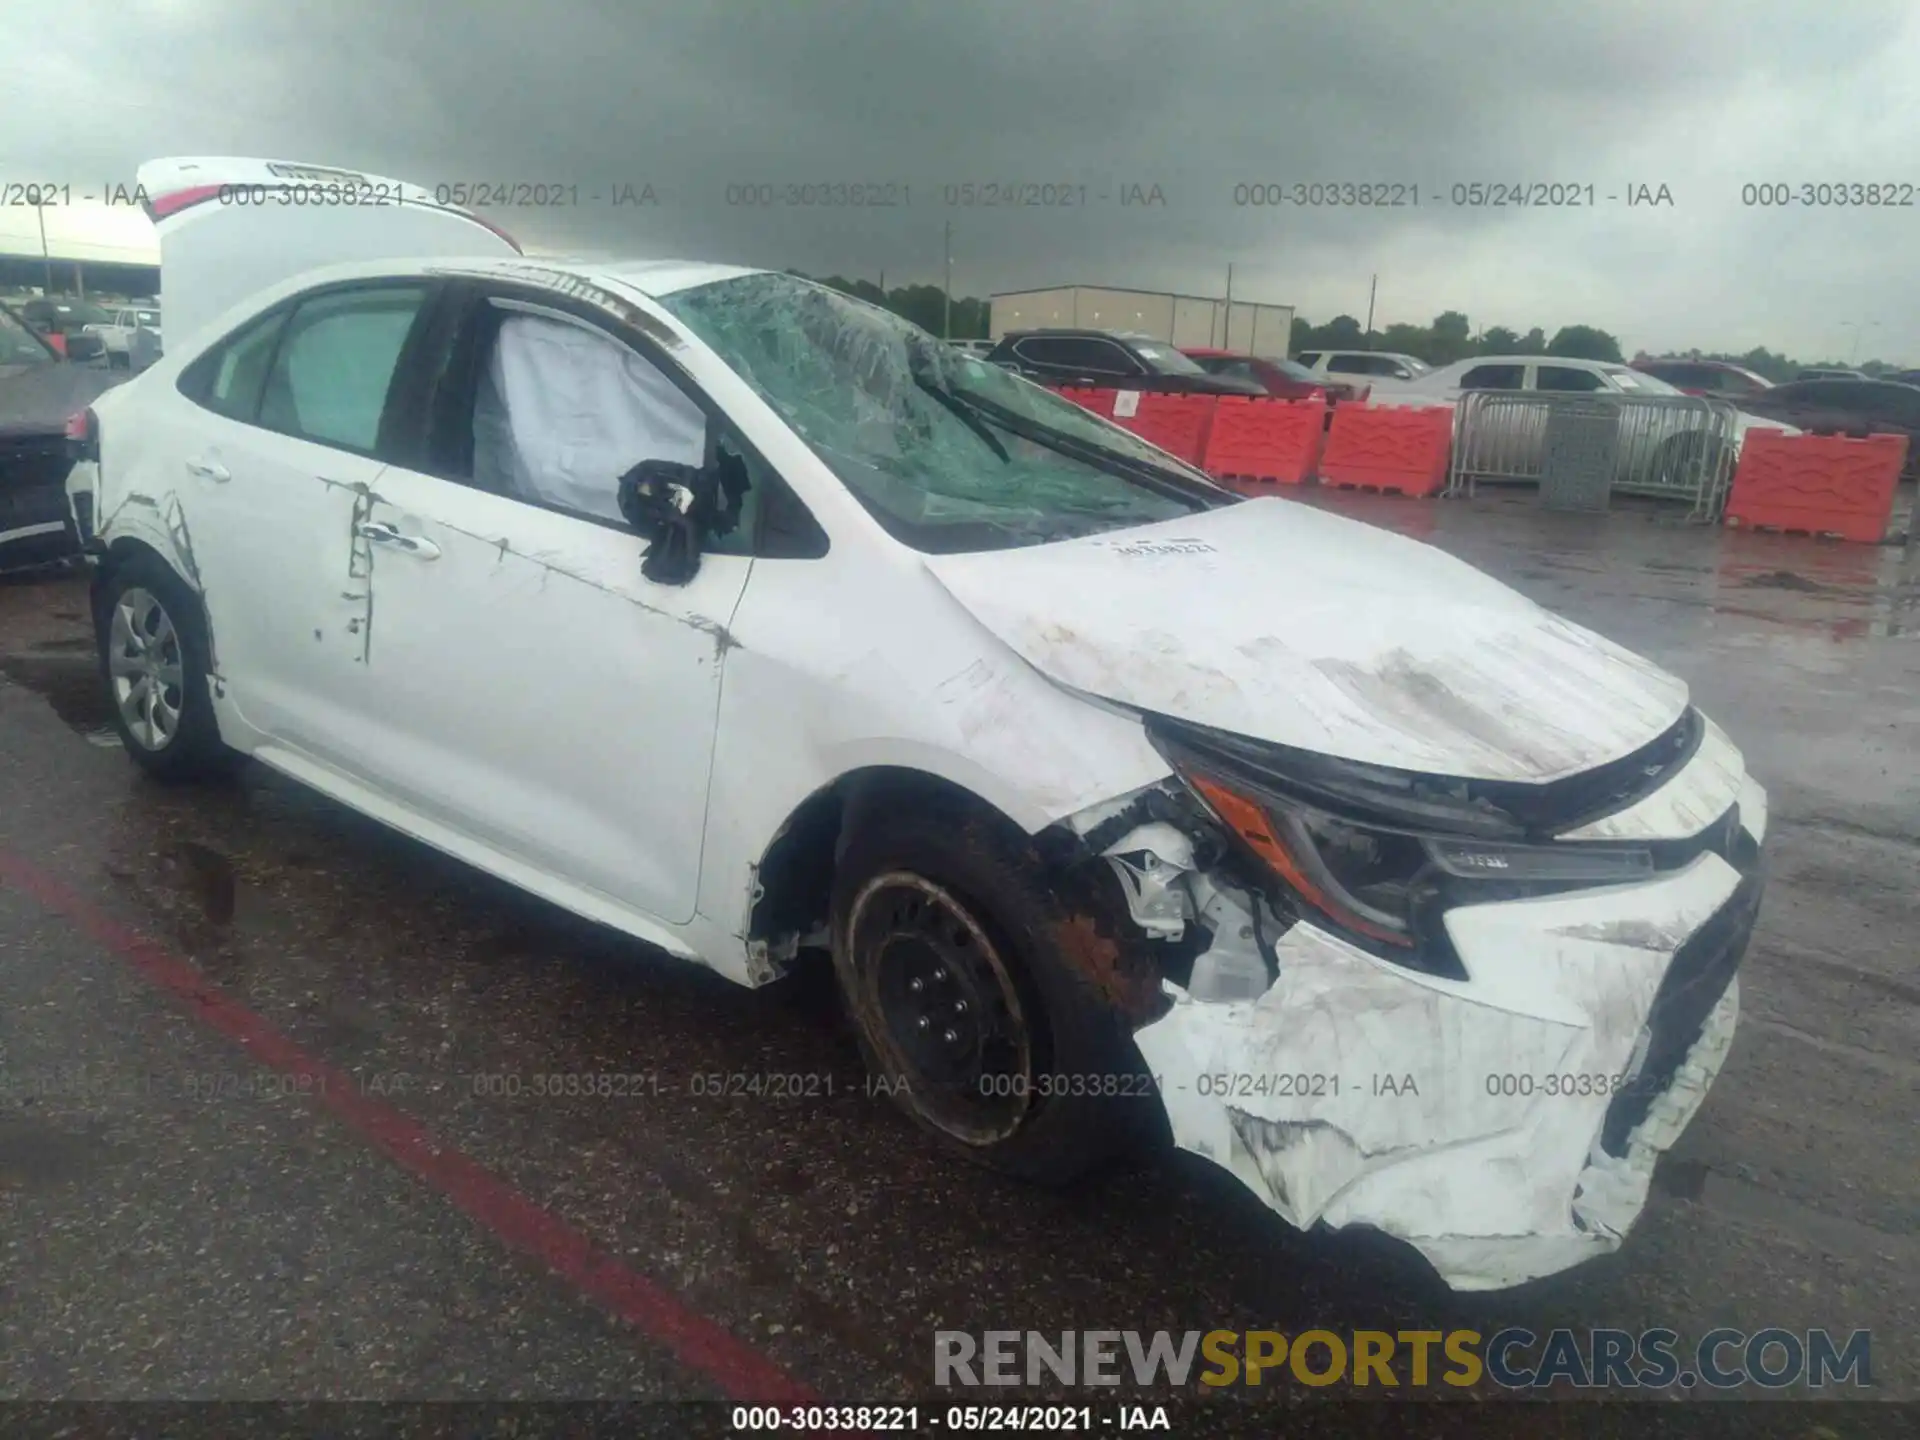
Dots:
(161, 206)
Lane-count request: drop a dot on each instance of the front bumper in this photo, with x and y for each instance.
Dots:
(1507, 1125)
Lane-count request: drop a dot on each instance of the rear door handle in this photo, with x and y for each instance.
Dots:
(382, 533)
(209, 470)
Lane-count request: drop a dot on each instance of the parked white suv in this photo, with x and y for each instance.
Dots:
(1364, 366)
(120, 334)
(746, 617)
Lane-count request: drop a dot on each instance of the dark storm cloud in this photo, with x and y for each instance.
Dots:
(1191, 98)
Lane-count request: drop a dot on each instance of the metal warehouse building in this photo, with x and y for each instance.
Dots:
(1178, 319)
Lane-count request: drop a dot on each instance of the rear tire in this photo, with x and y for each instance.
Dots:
(968, 1013)
(155, 663)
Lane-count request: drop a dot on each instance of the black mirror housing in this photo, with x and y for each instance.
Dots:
(670, 504)
(675, 505)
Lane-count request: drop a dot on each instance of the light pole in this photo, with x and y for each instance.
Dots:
(946, 295)
(1853, 354)
(46, 260)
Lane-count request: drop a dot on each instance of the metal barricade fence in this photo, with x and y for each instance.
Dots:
(1670, 447)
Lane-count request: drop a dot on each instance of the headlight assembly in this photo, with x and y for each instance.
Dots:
(1385, 880)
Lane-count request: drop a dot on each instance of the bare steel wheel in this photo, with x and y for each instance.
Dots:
(155, 662)
(145, 668)
(952, 1023)
(968, 980)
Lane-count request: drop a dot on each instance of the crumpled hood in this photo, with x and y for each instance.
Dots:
(36, 400)
(1283, 622)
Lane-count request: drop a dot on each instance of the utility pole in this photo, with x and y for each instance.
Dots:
(1373, 287)
(1227, 324)
(46, 260)
(946, 298)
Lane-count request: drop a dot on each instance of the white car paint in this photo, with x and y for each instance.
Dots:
(1363, 367)
(117, 335)
(1445, 386)
(515, 692)
(1390, 652)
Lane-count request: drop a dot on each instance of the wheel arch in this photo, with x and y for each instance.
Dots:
(115, 554)
(792, 885)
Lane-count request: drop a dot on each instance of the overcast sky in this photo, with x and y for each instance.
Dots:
(696, 96)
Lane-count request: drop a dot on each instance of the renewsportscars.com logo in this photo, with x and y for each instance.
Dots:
(1516, 1359)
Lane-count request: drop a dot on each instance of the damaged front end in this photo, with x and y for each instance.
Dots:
(1437, 1007)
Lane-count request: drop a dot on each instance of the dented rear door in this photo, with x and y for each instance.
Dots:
(275, 467)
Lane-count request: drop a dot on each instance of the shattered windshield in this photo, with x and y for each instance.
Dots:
(948, 452)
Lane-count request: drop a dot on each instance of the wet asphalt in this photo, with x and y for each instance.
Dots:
(174, 1223)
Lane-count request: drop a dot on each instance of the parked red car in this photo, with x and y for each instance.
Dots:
(1282, 379)
(1716, 378)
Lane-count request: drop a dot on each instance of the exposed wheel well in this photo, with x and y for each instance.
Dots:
(794, 880)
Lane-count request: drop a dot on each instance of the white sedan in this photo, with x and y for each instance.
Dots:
(746, 618)
(1666, 449)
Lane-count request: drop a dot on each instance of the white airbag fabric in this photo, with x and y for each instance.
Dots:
(564, 412)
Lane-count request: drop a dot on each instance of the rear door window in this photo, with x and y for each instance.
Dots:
(1494, 377)
(336, 362)
(228, 381)
(1566, 378)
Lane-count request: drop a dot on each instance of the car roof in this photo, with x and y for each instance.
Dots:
(652, 278)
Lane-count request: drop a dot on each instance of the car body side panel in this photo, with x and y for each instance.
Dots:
(525, 680)
(909, 681)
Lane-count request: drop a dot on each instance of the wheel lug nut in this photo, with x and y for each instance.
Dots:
(951, 1035)
(916, 985)
(924, 1023)
(959, 1007)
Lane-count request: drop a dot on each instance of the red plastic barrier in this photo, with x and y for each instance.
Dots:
(1818, 484)
(1254, 444)
(1403, 450)
(1100, 402)
(1178, 424)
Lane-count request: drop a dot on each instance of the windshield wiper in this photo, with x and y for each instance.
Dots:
(966, 416)
(1162, 481)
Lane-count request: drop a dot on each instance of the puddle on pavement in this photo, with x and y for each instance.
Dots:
(71, 686)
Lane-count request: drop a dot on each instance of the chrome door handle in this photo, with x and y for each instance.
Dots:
(209, 470)
(382, 533)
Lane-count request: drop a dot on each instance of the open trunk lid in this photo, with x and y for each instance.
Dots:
(231, 226)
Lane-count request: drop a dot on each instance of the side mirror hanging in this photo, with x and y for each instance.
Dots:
(675, 505)
(668, 502)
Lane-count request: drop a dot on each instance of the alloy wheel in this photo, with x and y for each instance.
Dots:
(145, 667)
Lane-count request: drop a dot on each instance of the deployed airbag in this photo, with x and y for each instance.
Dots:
(564, 412)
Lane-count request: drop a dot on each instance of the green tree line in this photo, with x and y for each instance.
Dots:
(1450, 338)
(922, 304)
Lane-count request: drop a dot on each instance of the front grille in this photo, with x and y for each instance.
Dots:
(1702, 969)
(1562, 805)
